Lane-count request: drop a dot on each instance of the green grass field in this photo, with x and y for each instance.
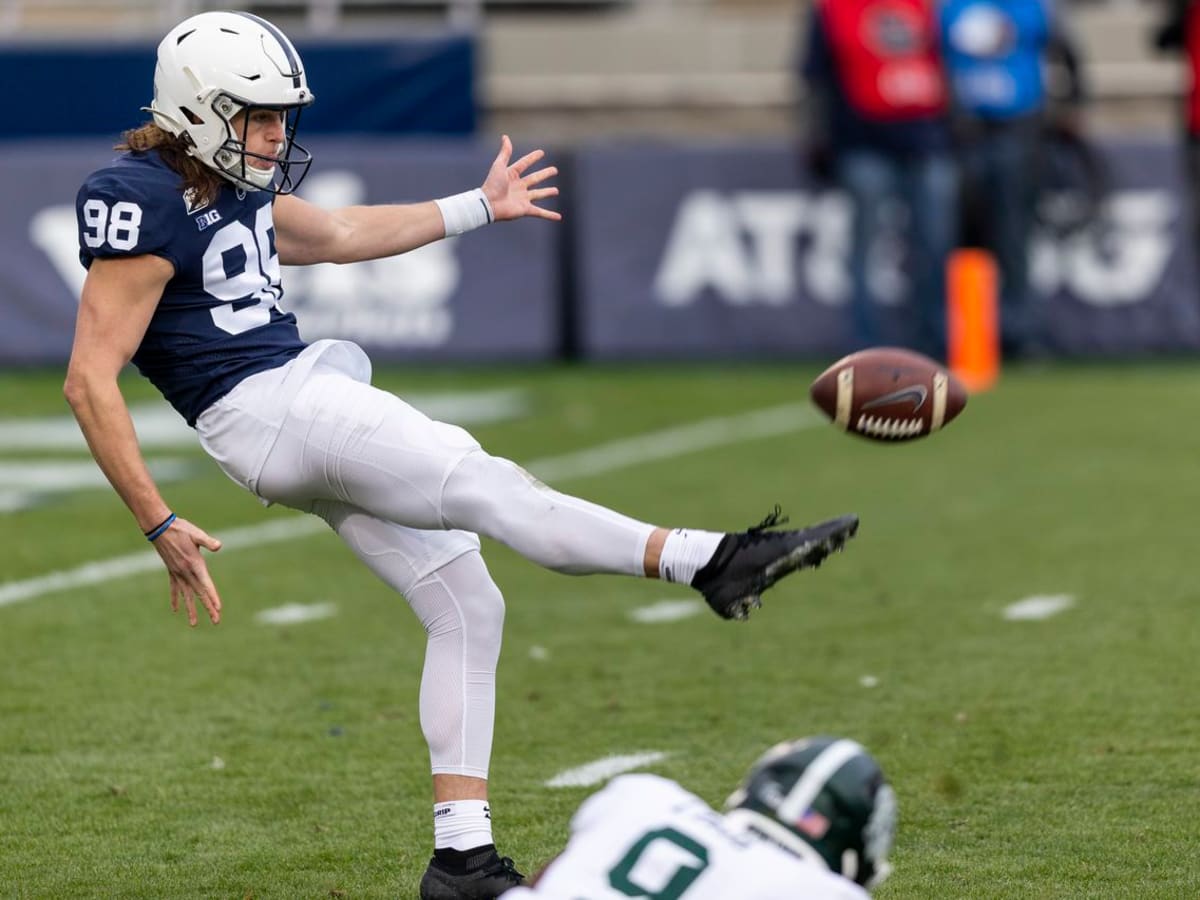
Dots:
(1033, 759)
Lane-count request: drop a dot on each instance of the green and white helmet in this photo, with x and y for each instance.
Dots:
(217, 64)
(825, 799)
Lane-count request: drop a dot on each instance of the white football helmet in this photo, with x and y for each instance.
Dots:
(217, 64)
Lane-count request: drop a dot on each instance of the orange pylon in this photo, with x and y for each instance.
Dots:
(972, 318)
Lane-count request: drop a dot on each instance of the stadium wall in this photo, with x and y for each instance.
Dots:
(668, 250)
(418, 84)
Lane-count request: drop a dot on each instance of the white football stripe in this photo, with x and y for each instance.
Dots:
(845, 397)
(1038, 607)
(667, 611)
(941, 386)
(604, 769)
(655, 446)
(295, 613)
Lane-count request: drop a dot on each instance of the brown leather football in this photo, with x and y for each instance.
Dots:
(888, 394)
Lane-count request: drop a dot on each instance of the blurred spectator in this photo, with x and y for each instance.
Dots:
(996, 54)
(878, 125)
(1180, 32)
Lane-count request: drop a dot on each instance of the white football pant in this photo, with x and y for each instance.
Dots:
(409, 495)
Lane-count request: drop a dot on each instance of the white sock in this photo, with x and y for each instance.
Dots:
(685, 553)
(462, 825)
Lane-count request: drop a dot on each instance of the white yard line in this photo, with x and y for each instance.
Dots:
(670, 443)
(159, 426)
(655, 446)
(604, 769)
(94, 573)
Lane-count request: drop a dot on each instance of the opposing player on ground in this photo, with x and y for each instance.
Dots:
(813, 818)
(183, 237)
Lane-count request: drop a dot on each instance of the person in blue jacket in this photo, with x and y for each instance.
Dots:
(996, 53)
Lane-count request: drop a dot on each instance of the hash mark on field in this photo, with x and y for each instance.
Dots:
(655, 446)
(295, 613)
(667, 611)
(1038, 607)
(604, 769)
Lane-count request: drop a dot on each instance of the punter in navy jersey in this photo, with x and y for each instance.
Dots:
(183, 237)
(218, 320)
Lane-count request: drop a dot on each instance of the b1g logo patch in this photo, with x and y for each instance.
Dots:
(211, 217)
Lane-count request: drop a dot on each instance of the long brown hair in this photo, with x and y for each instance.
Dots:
(196, 177)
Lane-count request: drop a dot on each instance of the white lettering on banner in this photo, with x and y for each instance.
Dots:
(400, 301)
(1116, 262)
(770, 247)
(743, 248)
(52, 230)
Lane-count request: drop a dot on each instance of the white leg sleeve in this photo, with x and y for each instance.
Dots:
(498, 498)
(463, 612)
(446, 583)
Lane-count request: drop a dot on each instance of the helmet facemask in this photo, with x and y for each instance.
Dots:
(289, 163)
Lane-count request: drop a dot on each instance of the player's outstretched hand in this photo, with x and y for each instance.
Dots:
(512, 192)
(179, 546)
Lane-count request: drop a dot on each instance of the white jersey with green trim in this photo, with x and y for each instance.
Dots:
(645, 836)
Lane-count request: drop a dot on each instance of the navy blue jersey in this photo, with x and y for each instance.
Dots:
(218, 320)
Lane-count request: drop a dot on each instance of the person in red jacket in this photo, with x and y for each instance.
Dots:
(1180, 31)
(878, 124)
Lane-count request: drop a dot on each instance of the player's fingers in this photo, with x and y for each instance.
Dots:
(527, 160)
(209, 543)
(211, 599)
(190, 602)
(505, 153)
(543, 193)
(540, 175)
(545, 214)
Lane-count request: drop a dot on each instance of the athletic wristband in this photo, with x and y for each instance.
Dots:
(156, 532)
(465, 211)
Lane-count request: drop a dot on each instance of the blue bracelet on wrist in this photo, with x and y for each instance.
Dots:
(155, 533)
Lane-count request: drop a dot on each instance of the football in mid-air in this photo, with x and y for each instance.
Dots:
(888, 394)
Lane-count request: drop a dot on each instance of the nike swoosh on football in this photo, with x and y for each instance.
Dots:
(917, 394)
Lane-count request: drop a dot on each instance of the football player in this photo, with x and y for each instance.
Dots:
(183, 237)
(813, 818)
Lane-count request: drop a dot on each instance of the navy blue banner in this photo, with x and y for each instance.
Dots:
(493, 294)
(718, 251)
(725, 251)
(404, 85)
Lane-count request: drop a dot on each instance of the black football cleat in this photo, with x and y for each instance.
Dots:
(748, 562)
(485, 876)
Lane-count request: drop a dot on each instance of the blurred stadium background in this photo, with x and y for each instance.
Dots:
(1013, 633)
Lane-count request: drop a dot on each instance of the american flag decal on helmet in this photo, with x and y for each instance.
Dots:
(813, 824)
